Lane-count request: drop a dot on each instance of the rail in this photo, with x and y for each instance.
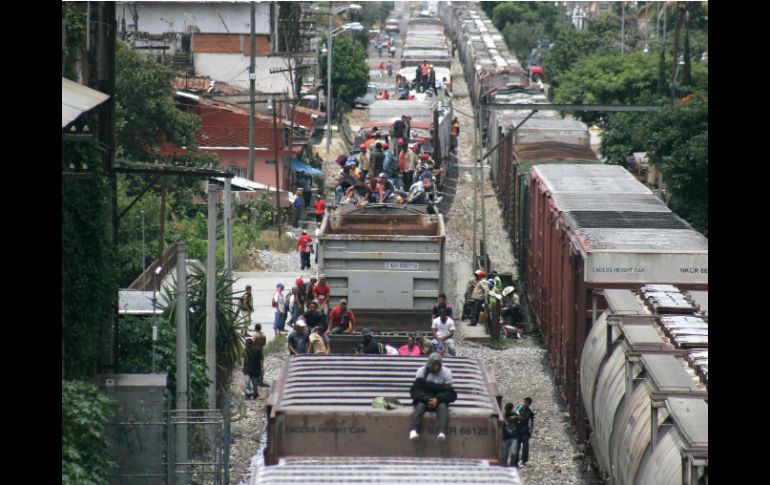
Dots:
(166, 262)
(347, 133)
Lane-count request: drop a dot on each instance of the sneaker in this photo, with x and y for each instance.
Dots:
(413, 435)
(441, 436)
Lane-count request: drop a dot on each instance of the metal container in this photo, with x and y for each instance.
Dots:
(569, 252)
(630, 370)
(385, 257)
(321, 406)
(384, 470)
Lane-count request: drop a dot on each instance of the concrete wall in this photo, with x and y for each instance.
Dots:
(215, 17)
(234, 70)
(264, 172)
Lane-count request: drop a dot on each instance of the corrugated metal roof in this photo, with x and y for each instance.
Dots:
(350, 382)
(589, 178)
(386, 470)
(136, 302)
(568, 202)
(624, 219)
(692, 419)
(643, 240)
(76, 99)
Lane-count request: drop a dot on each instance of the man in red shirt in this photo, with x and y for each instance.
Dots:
(341, 319)
(305, 244)
(320, 207)
(321, 292)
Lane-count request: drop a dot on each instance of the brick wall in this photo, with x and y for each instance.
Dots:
(229, 44)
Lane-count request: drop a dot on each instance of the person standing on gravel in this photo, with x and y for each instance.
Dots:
(247, 307)
(509, 433)
(297, 300)
(479, 295)
(525, 422)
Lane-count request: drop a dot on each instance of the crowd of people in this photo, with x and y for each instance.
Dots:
(382, 173)
(488, 295)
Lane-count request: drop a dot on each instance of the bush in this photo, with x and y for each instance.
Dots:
(85, 447)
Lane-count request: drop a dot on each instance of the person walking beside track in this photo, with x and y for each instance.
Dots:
(247, 308)
(279, 305)
(525, 423)
(305, 244)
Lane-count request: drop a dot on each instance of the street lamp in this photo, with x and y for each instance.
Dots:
(332, 13)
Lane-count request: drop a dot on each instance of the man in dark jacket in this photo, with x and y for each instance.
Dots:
(252, 368)
(432, 391)
(368, 345)
(525, 424)
(377, 159)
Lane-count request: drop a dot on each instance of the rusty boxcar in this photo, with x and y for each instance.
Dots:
(643, 387)
(387, 261)
(321, 406)
(596, 226)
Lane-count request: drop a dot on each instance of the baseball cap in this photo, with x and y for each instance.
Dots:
(343, 301)
(304, 231)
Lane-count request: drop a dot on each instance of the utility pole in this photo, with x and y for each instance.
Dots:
(622, 27)
(329, 82)
(181, 359)
(144, 261)
(252, 80)
(483, 245)
(211, 301)
(277, 181)
(228, 228)
(162, 217)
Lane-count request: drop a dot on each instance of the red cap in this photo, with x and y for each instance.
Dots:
(362, 146)
(385, 145)
(482, 273)
(298, 281)
(400, 141)
(424, 155)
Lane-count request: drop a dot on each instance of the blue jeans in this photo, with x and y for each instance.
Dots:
(338, 193)
(517, 445)
(507, 445)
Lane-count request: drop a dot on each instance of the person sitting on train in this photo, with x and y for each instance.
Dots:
(298, 339)
(426, 346)
(318, 343)
(443, 329)
(368, 346)
(431, 391)
(441, 303)
(409, 348)
(312, 317)
(341, 319)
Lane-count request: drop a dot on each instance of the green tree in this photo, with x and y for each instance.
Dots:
(350, 73)
(522, 37)
(614, 79)
(569, 49)
(622, 137)
(229, 346)
(544, 14)
(677, 140)
(85, 457)
(145, 111)
(489, 7)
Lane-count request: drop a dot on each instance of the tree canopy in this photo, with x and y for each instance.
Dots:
(350, 73)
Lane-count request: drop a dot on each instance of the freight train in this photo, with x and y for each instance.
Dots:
(581, 230)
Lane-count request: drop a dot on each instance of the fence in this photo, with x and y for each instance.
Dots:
(195, 447)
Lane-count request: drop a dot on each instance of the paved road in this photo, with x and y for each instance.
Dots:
(262, 288)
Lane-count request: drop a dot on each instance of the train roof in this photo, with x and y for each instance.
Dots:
(442, 471)
(350, 382)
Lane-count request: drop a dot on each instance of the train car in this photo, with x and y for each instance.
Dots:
(395, 471)
(544, 138)
(595, 226)
(383, 259)
(644, 386)
(321, 406)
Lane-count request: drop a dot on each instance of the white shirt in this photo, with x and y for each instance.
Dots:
(443, 329)
(278, 298)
